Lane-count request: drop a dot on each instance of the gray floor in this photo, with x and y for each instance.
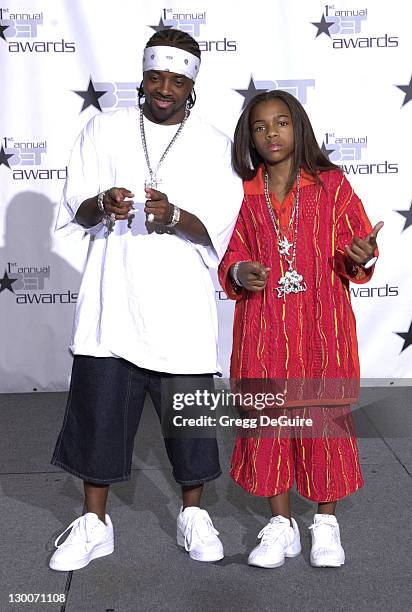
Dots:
(147, 572)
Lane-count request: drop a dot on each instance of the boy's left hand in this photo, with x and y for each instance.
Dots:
(360, 250)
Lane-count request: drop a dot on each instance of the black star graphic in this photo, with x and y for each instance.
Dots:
(4, 157)
(407, 336)
(323, 26)
(2, 29)
(407, 90)
(91, 96)
(408, 216)
(326, 152)
(6, 282)
(161, 26)
(249, 93)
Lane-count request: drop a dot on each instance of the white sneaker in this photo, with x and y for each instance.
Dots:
(88, 539)
(326, 549)
(196, 534)
(278, 540)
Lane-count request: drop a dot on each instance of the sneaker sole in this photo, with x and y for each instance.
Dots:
(205, 559)
(274, 565)
(266, 566)
(327, 563)
(101, 551)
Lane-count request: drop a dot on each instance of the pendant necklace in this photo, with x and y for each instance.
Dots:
(292, 281)
(154, 181)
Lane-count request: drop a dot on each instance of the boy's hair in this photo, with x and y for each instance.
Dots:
(307, 153)
(175, 38)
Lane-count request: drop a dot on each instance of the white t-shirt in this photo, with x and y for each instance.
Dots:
(146, 296)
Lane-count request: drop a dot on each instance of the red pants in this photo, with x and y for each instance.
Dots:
(326, 467)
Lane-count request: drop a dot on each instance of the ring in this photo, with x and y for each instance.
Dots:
(150, 217)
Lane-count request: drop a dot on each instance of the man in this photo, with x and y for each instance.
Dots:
(146, 308)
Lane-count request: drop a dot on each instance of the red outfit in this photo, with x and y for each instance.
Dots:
(308, 335)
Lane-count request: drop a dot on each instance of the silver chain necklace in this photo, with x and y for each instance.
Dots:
(292, 281)
(154, 181)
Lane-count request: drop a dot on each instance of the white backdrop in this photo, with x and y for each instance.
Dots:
(349, 64)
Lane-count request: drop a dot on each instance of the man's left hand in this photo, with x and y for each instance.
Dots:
(361, 251)
(158, 205)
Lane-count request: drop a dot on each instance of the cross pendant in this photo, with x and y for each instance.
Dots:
(152, 183)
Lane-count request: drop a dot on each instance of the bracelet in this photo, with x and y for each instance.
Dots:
(107, 220)
(234, 273)
(175, 217)
(100, 204)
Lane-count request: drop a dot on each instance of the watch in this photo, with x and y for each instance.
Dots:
(369, 263)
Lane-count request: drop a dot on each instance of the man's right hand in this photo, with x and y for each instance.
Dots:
(253, 275)
(114, 202)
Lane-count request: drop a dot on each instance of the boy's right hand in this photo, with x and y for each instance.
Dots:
(253, 275)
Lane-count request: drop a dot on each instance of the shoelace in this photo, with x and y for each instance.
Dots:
(272, 531)
(329, 535)
(78, 527)
(199, 525)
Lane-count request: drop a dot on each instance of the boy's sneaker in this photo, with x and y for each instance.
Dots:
(196, 534)
(326, 550)
(278, 540)
(88, 539)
